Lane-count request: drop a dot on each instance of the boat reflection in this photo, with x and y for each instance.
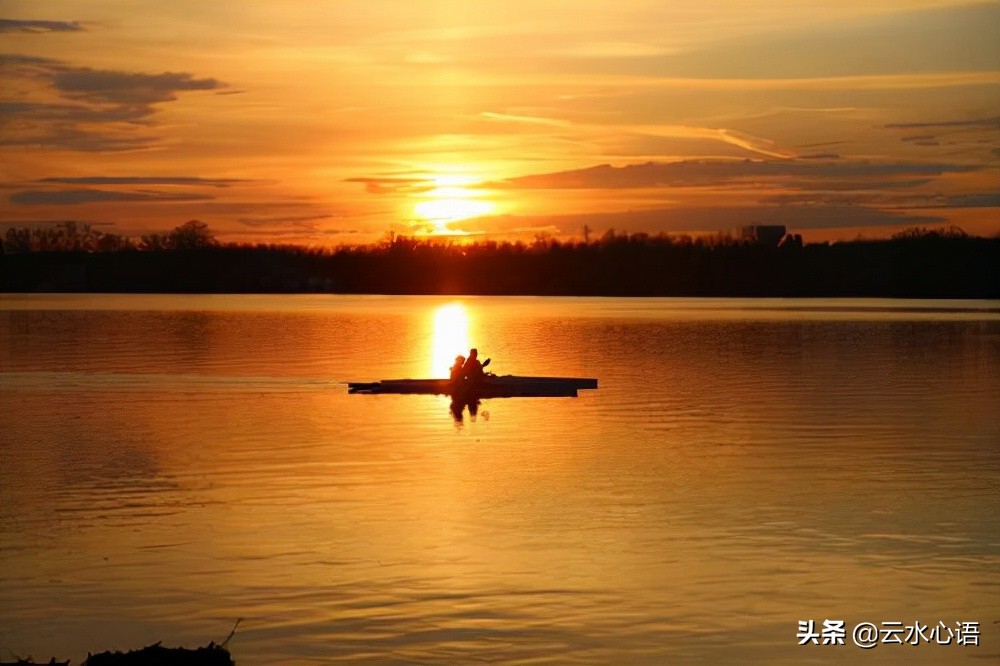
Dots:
(458, 407)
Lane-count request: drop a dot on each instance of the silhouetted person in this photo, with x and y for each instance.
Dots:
(458, 370)
(473, 369)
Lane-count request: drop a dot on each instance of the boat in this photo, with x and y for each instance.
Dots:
(491, 386)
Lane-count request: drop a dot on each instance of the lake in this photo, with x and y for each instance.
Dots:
(169, 464)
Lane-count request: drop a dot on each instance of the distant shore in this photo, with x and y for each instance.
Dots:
(917, 265)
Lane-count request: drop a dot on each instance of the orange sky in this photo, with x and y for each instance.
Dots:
(333, 122)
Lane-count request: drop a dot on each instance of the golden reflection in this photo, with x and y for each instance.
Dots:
(451, 337)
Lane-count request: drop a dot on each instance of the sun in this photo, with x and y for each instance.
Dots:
(447, 203)
(441, 211)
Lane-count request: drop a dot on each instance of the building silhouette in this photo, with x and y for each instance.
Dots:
(761, 234)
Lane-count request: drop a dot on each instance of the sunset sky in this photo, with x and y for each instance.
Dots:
(332, 122)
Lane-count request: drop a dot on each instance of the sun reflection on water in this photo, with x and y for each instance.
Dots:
(451, 337)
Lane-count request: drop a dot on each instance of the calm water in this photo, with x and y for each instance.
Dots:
(173, 463)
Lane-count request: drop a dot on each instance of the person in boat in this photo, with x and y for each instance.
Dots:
(458, 370)
(473, 369)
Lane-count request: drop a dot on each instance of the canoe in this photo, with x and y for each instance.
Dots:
(492, 386)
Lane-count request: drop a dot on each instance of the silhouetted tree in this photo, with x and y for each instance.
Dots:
(154, 242)
(192, 235)
(919, 263)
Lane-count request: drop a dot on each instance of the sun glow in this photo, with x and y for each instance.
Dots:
(450, 203)
(451, 337)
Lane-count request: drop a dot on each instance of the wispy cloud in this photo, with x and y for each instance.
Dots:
(393, 185)
(982, 200)
(966, 131)
(80, 139)
(985, 123)
(41, 224)
(888, 200)
(126, 88)
(85, 196)
(751, 143)
(96, 107)
(148, 180)
(720, 172)
(14, 25)
(74, 113)
(721, 106)
(297, 220)
(748, 142)
(528, 120)
(679, 219)
(942, 39)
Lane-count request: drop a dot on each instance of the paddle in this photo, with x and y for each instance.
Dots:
(486, 362)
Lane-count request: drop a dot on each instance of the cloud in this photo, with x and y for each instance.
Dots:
(703, 219)
(393, 185)
(529, 120)
(824, 185)
(963, 131)
(67, 137)
(85, 196)
(41, 224)
(126, 88)
(986, 123)
(718, 172)
(74, 113)
(97, 109)
(20, 65)
(938, 40)
(823, 144)
(853, 191)
(748, 142)
(649, 135)
(105, 86)
(981, 200)
(14, 25)
(296, 220)
(253, 207)
(886, 201)
(147, 180)
(384, 179)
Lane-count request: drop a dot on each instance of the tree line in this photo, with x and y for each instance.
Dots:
(918, 263)
(72, 237)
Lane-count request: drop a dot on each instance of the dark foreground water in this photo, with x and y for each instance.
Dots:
(169, 464)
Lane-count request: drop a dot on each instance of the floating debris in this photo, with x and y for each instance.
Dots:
(213, 654)
(157, 655)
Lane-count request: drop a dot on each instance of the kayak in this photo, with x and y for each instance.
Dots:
(491, 386)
